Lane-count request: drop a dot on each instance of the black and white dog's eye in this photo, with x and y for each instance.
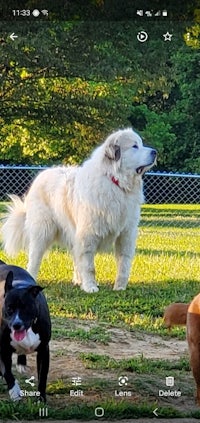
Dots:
(135, 146)
(9, 311)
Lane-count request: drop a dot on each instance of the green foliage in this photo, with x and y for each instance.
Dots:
(66, 85)
(138, 365)
(185, 115)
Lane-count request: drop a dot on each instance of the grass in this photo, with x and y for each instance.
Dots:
(139, 365)
(165, 270)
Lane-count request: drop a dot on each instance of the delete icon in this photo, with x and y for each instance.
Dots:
(170, 381)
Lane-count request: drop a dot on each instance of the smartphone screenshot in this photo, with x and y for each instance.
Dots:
(72, 75)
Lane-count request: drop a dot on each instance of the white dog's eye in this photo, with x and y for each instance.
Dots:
(135, 146)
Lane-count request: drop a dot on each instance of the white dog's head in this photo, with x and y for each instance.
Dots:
(125, 147)
(125, 156)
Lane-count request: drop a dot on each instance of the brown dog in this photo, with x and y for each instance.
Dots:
(175, 314)
(193, 338)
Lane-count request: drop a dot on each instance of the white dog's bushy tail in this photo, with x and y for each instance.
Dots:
(13, 229)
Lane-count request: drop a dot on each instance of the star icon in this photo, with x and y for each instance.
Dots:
(167, 36)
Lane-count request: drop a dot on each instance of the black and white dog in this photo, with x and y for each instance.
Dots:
(25, 326)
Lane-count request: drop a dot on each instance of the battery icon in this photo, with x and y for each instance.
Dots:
(164, 13)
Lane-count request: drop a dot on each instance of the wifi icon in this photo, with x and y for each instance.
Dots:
(44, 12)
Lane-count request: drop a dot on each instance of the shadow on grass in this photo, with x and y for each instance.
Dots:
(152, 252)
(170, 217)
(169, 223)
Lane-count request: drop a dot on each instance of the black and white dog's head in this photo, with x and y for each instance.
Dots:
(20, 308)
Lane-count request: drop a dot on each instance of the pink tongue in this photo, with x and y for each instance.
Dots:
(19, 334)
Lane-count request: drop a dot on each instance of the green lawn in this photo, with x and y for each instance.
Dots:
(165, 269)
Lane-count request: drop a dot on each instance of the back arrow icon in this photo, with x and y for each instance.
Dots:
(13, 36)
(155, 412)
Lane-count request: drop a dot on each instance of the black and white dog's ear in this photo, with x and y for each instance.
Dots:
(9, 281)
(35, 289)
(113, 152)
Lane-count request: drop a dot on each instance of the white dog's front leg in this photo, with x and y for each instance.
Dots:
(124, 250)
(76, 276)
(88, 274)
(84, 265)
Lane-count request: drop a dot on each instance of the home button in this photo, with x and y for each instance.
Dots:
(99, 412)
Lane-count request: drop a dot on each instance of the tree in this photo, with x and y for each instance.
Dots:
(66, 85)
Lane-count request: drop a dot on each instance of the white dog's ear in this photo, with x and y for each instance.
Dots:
(113, 152)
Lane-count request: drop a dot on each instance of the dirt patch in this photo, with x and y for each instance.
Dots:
(123, 344)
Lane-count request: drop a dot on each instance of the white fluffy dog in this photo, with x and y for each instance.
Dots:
(84, 207)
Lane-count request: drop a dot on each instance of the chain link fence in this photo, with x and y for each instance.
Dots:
(171, 188)
(160, 188)
(16, 179)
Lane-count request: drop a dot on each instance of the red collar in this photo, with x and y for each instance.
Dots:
(115, 181)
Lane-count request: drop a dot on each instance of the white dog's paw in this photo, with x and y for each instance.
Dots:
(90, 288)
(15, 392)
(76, 278)
(119, 288)
(76, 282)
(120, 284)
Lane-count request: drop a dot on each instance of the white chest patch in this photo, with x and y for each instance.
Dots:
(15, 392)
(28, 344)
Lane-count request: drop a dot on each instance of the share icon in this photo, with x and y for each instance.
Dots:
(30, 381)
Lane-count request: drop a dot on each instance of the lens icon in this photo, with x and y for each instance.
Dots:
(123, 380)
